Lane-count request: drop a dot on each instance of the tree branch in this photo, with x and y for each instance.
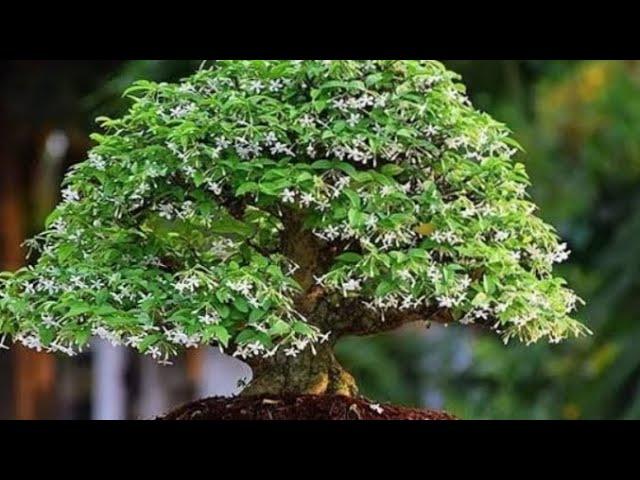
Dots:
(350, 316)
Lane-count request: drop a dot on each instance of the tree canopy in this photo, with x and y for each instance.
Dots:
(176, 231)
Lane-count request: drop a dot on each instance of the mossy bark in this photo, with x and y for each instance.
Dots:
(307, 373)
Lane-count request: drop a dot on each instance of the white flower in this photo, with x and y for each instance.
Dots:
(96, 161)
(270, 139)
(111, 337)
(47, 285)
(291, 352)
(166, 211)
(307, 121)
(280, 147)
(306, 199)
(376, 408)
(210, 318)
(468, 212)
(242, 286)
(431, 130)
(214, 187)
(186, 88)
(177, 335)
(501, 235)
(386, 190)
(49, 321)
(324, 337)
(351, 285)
(501, 308)
(366, 101)
(222, 143)
(70, 195)
(154, 352)
(381, 100)
(340, 104)
(255, 86)
(275, 85)
(311, 151)
(78, 282)
(342, 182)
(188, 284)
(446, 301)
(371, 222)
(188, 210)
(30, 341)
(464, 282)
(180, 111)
(288, 196)
(354, 119)
(561, 253)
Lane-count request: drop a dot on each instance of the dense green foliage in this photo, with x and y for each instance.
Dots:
(169, 234)
(578, 121)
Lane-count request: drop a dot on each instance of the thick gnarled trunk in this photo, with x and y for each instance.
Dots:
(307, 373)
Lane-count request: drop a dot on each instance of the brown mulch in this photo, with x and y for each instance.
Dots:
(302, 407)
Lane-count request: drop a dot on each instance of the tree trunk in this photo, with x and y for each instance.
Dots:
(307, 373)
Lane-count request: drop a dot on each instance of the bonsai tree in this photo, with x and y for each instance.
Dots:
(272, 207)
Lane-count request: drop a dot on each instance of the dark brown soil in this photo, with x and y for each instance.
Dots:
(303, 407)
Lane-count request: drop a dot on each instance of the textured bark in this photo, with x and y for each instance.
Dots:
(307, 373)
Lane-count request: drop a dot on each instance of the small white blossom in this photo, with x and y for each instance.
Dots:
(214, 187)
(307, 121)
(561, 254)
(275, 85)
(351, 285)
(210, 318)
(255, 86)
(96, 161)
(180, 111)
(70, 195)
(288, 196)
(354, 119)
(166, 211)
(501, 235)
(222, 143)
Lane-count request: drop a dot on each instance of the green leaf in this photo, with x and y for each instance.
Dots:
(223, 311)
(78, 309)
(148, 341)
(256, 315)
(241, 304)
(232, 226)
(280, 328)
(349, 257)
(221, 334)
(356, 217)
(303, 328)
(383, 288)
(247, 187)
(391, 169)
(354, 198)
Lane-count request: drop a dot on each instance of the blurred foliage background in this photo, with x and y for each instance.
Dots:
(579, 122)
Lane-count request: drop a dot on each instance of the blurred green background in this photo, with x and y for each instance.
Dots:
(579, 122)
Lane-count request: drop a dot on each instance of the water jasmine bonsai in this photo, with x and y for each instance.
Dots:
(272, 207)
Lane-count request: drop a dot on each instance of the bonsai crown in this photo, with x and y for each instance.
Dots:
(265, 206)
